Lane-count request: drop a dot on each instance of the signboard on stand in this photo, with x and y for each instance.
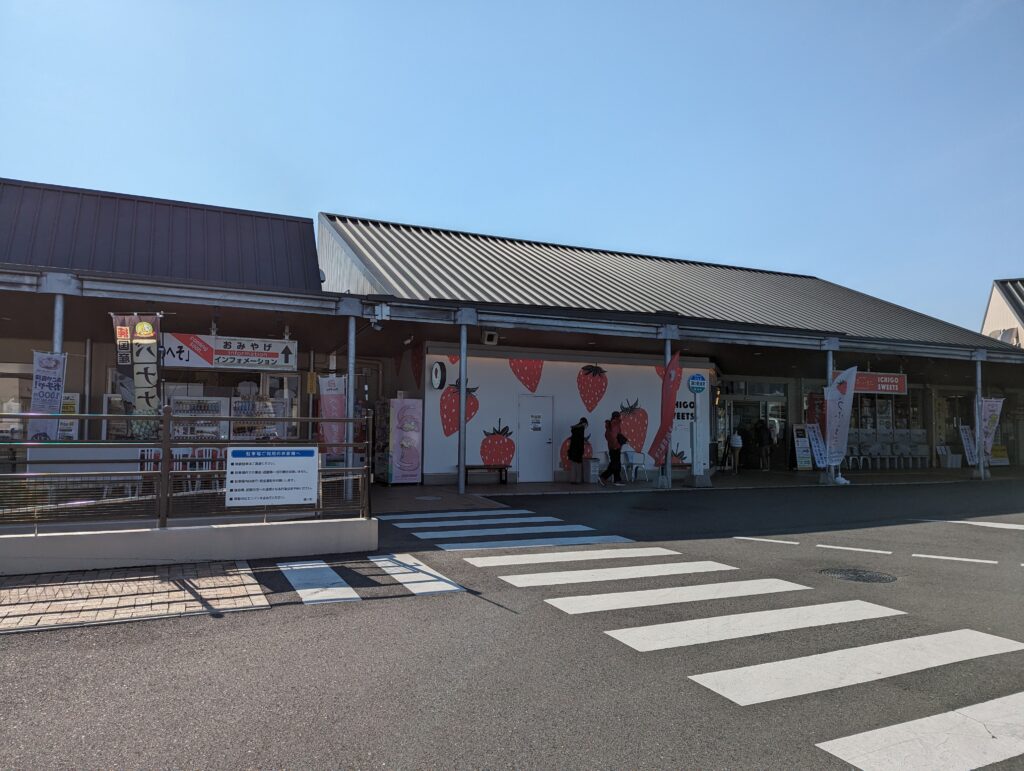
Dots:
(817, 445)
(67, 430)
(802, 445)
(970, 451)
(265, 476)
(136, 340)
(182, 350)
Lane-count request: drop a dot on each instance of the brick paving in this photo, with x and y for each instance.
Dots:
(126, 594)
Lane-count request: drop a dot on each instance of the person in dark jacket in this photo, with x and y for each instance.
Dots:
(763, 440)
(577, 445)
(612, 432)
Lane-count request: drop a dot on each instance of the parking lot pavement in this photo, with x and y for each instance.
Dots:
(689, 630)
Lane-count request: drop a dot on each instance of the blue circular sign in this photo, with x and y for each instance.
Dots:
(697, 383)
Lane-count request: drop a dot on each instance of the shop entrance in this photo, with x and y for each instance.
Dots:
(534, 446)
(744, 415)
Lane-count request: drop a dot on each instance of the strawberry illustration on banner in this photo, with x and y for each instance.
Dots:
(591, 382)
(450, 408)
(669, 389)
(563, 452)
(634, 423)
(497, 448)
(528, 372)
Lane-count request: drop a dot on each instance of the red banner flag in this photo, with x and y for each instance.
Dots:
(670, 383)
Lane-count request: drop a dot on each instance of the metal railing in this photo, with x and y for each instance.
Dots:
(178, 473)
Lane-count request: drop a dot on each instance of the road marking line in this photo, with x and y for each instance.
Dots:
(414, 575)
(1000, 525)
(568, 556)
(465, 522)
(971, 737)
(851, 666)
(453, 514)
(852, 548)
(954, 559)
(501, 531)
(698, 631)
(612, 574)
(764, 540)
(315, 582)
(592, 603)
(522, 543)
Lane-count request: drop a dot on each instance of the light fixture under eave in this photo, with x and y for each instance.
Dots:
(408, 340)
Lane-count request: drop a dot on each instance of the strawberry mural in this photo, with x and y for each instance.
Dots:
(497, 448)
(450, 408)
(634, 423)
(591, 382)
(679, 457)
(660, 369)
(453, 358)
(563, 453)
(528, 372)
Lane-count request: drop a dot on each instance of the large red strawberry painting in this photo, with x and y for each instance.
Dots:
(591, 382)
(563, 452)
(453, 358)
(528, 372)
(497, 448)
(450, 408)
(634, 423)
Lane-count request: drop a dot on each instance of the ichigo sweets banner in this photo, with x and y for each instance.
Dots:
(670, 383)
(838, 406)
(136, 338)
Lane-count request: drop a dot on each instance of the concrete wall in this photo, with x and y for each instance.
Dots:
(84, 550)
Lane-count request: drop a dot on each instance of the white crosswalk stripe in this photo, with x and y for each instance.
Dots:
(452, 514)
(466, 522)
(645, 598)
(568, 556)
(414, 575)
(612, 574)
(430, 534)
(315, 582)
(850, 666)
(523, 543)
(971, 737)
(699, 631)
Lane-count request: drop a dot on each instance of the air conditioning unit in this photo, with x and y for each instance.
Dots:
(489, 338)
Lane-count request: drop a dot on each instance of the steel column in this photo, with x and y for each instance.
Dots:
(667, 468)
(830, 367)
(350, 393)
(87, 386)
(58, 323)
(463, 375)
(309, 396)
(979, 450)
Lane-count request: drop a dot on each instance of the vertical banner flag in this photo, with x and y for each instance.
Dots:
(669, 388)
(838, 407)
(990, 409)
(333, 393)
(47, 393)
(137, 347)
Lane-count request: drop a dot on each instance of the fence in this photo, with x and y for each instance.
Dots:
(180, 471)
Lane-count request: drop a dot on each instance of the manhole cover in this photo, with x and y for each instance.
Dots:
(864, 576)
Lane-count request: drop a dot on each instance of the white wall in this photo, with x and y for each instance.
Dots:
(998, 315)
(499, 390)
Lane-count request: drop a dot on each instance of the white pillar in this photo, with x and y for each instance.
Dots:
(463, 375)
(667, 468)
(58, 323)
(87, 386)
(978, 440)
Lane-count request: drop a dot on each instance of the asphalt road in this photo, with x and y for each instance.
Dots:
(495, 677)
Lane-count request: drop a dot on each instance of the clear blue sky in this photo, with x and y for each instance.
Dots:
(876, 144)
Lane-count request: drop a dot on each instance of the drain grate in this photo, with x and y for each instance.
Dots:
(863, 576)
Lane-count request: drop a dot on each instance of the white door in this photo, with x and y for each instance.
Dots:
(534, 448)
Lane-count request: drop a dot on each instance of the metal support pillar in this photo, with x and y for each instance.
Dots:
(666, 471)
(87, 386)
(58, 323)
(350, 403)
(979, 449)
(310, 386)
(463, 375)
(830, 368)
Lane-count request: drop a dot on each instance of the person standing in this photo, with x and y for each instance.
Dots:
(613, 436)
(577, 443)
(735, 447)
(763, 440)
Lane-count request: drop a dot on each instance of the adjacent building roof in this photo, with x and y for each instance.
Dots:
(1012, 290)
(423, 263)
(70, 229)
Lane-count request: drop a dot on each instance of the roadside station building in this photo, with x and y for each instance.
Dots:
(528, 336)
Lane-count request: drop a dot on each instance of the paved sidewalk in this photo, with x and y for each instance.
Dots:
(47, 600)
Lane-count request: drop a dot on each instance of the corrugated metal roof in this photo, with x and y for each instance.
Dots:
(1013, 290)
(63, 228)
(422, 263)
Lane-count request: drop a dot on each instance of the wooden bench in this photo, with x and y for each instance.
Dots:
(502, 472)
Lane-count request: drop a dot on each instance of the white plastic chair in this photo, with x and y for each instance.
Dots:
(634, 463)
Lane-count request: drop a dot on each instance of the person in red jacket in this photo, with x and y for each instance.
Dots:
(612, 434)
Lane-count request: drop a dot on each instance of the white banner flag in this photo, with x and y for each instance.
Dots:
(990, 409)
(333, 398)
(838, 406)
(47, 393)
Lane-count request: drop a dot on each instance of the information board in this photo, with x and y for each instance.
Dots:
(802, 445)
(817, 445)
(967, 437)
(272, 476)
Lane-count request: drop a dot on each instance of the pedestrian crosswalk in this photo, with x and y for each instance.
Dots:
(315, 582)
(956, 739)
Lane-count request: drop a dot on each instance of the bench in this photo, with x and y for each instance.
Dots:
(501, 470)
